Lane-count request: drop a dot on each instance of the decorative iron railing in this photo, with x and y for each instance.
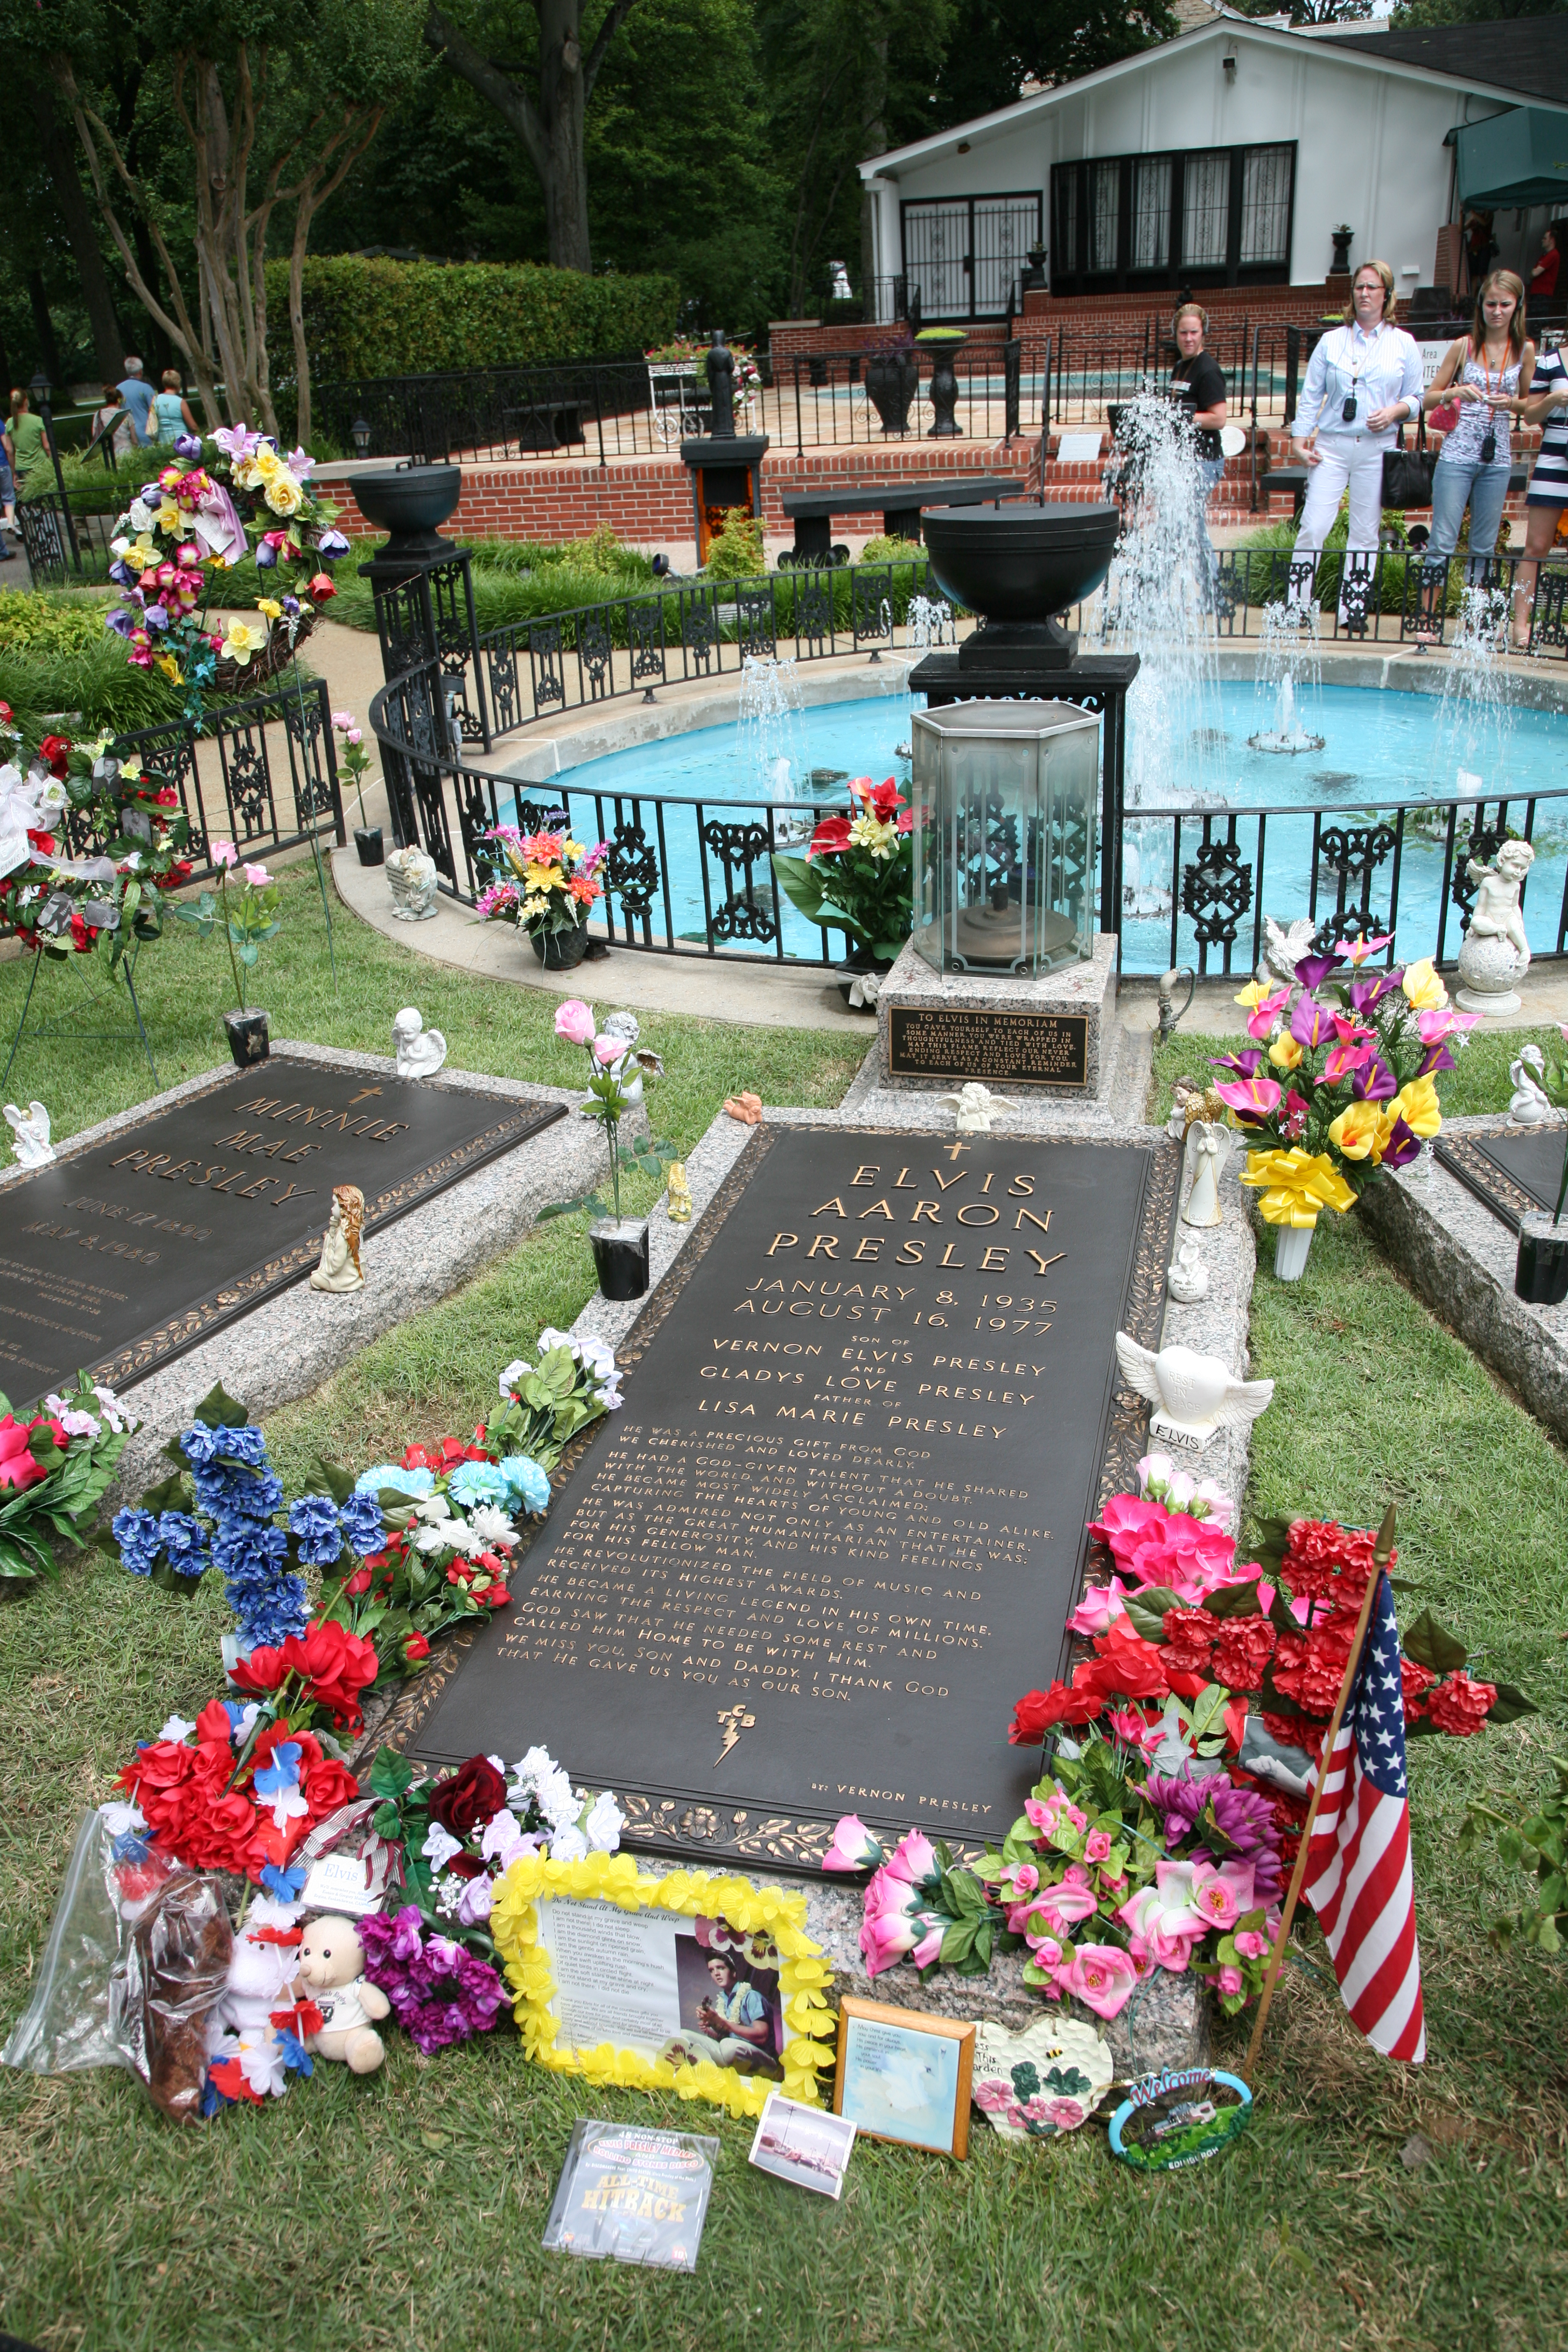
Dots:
(262, 773)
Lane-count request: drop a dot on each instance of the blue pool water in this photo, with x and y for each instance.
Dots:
(1379, 748)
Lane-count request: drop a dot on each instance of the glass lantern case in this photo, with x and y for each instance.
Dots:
(1006, 796)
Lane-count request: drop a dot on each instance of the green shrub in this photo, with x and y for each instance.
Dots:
(410, 318)
(45, 623)
(90, 686)
(1270, 583)
(736, 550)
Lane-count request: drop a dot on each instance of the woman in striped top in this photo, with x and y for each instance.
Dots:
(1548, 494)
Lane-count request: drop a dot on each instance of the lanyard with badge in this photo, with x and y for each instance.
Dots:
(1489, 447)
(1351, 403)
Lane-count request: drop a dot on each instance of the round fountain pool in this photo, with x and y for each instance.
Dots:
(1380, 748)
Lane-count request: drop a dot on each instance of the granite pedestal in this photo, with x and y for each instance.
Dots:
(1049, 1034)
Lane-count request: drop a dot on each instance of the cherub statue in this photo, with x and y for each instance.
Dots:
(1529, 1106)
(30, 1134)
(974, 1107)
(339, 1268)
(1496, 953)
(420, 1051)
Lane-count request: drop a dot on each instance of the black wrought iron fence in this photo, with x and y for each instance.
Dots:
(262, 773)
(67, 542)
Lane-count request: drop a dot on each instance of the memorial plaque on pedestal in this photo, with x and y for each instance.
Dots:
(1001, 1048)
(1516, 1170)
(836, 1530)
(124, 1253)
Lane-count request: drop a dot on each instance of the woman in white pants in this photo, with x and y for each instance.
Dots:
(1363, 380)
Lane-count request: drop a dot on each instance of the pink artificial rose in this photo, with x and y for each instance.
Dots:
(886, 1895)
(1026, 1878)
(1048, 1952)
(1251, 1944)
(1132, 1730)
(1127, 1520)
(1064, 1906)
(853, 1846)
(927, 1951)
(914, 1859)
(608, 1049)
(1097, 1845)
(575, 1021)
(1213, 1898)
(1041, 1817)
(257, 877)
(224, 853)
(1100, 1605)
(1102, 1978)
(886, 1939)
(1230, 1980)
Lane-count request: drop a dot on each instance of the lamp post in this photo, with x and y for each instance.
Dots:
(39, 391)
(358, 433)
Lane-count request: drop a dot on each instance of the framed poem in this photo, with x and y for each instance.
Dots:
(705, 1985)
(903, 2075)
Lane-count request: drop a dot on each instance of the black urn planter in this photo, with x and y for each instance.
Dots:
(248, 1039)
(562, 951)
(892, 380)
(855, 968)
(367, 841)
(1343, 239)
(407, 502)
(945, 385)
(620, 1256)
(1541, 1271)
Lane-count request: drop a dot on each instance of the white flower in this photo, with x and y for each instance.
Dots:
(290, 1804)
(492, 1527)
(558, 1800)
(118, 1416)
(549, 1337)
(118, 1818)
(439, 1846)
(502, 1830)
(142, 516)
(604, 1825)
(474, 1901)
(1221, 1509)
(598, 1360)
(433, 1507)
(449, 1895)
(568, 1846)
(176, 1728)
(261, 2064)
(514, 1372)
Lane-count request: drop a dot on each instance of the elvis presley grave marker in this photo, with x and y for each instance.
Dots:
(837, 1525)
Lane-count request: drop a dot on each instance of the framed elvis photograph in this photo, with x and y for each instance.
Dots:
(903, 2075)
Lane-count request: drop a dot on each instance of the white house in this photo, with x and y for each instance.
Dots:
(1228, 157)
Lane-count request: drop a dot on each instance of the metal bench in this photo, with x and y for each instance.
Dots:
(899, 503)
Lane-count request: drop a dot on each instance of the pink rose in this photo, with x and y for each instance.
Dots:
(1251, 1944)
(1026, 1878)
(575, 1021)
(1097, 1845)
(224, 853)
(1064, 1906)
(1102, 1978)
(914, 1858)
(1101, 1603)
(852, 1846)
(257, 877)
(607, 1049)
(1041, 1817)
(927, 1951)
(886, 1939)
(1048, 1952)
(1230, 1980)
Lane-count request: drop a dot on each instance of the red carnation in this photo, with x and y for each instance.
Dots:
(1321, 1556)
(1243, 1650)
(1189, 1636)
(473, 1795)
(1460, 1706)
(1417, 1681)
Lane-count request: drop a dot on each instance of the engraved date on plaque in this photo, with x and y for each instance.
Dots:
(1001, 1048)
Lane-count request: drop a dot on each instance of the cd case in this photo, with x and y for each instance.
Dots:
(632, 2192)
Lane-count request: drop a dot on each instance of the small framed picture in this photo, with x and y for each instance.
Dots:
(903, 2075)
(803, 2145)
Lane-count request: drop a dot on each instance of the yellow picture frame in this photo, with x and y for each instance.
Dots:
(804, 1977)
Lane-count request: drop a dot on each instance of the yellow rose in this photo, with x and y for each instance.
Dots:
(1424, 990)
(283, 493)
(1356, 1130)
(264, 463)
(270, 606)
(1417, 1106)
(1285, 1053)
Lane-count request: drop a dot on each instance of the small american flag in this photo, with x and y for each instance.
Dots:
(1358, 1866)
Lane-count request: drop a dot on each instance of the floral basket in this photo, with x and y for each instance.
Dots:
(233, 675)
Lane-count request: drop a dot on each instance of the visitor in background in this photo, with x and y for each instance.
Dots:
(137, 394)
(26, 435)
(1363, 380)
(7, 491)
(113, 422)
(1548, 494)
(172, 411)
(1480, 244)
(1490, 371)
(1198, 383)
(1543, 276)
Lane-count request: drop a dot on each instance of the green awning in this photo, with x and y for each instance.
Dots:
(1517, 158)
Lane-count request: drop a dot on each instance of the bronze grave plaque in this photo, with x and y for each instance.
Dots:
(835, 1528)
(1514, 1169)
(999, 1048)
(124, 1253)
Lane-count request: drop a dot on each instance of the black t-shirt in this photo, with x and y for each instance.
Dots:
(1201, 383)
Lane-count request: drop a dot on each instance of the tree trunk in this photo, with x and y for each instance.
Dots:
(58, 147)
(157, 352)
(43, 327)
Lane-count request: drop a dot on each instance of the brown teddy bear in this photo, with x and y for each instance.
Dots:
(332, 1974)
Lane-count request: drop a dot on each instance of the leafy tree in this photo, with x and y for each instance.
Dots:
(996, 45)
(1419, 13)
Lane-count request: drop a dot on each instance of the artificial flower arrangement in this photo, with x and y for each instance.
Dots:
(246, 921)
(857, 874)
(132, 828)
(1340, 1088)
(353, 759)
(618, 1068)
(543, 883)
(196, 520)
(53, 1471)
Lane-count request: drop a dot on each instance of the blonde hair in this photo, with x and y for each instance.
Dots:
(1510, 284)
(1191, 311)
(1384, 275)
(349, 1200)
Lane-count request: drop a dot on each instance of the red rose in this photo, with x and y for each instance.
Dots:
(473, 1796)
(213, 1723)
(1459, 1706)
(1038, 1711)
(334, 1665)
(328, 1785)
(358, 1582)
(322, 588)
(415, 1647)
(52, 750)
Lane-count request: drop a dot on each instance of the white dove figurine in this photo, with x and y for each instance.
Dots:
(30, 1132)
(974, 1107)
(1196, 1396)
(1284, 948)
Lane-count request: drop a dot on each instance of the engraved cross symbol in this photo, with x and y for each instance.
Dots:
(955, 1149)
(363, 1095)
(733, 1721)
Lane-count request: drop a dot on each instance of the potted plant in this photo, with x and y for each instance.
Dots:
(892, 380)
(618, 1069)
(1342, 236)
(943, 344)
(246, 921)
(356, 763)
(1541, 1271)
(1342, 1087)
(857, 876)
(544, 884)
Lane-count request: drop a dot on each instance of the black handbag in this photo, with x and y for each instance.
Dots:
(1407, 473)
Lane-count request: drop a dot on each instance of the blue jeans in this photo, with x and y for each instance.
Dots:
(6, 490)
(1457, 481)
(1211, 470)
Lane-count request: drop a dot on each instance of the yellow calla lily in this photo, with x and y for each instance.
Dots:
(1284, 1052)
(1424, 990)
(1355, 1132)
(1418, 1107)
(1253, 993)
(1295, 1185)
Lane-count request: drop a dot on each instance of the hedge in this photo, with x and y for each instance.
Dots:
(371, 317)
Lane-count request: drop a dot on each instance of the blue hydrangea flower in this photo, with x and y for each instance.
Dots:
(527, 1485)
(202, 1445)
(360, 1521)
(184, 1540)
(136, 1533)
(477, 1482)
(238, 1494)
(417, 1482)
(269, 1602)
(314, 1519)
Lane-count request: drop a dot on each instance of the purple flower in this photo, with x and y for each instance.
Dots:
(1312, 971)
(1243, 1819)
(122, 620)
(1437, 1057)
(188, 446)
(332, 544)
(1403, 1145)
(237, 441)
(156, 617)
(440, 1993)
(1311, 1024)
(1374, 1082)
(266, 556)
(1365, 993)
(1245, 1064)
(291, 605)
(120, 572)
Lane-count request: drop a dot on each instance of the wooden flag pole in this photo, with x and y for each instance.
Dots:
(1380, 1560)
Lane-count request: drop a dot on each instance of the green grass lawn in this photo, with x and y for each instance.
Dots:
(406, 2211)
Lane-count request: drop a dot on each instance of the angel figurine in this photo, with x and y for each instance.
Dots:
(339, 1268)
(974, 1107)
(30, 1134)
(420, 1051)
(1195, 1396)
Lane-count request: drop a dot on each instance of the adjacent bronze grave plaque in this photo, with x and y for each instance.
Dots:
(999, 1048)
(124, 1253)
(836, 1530)
(1514, 1169)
